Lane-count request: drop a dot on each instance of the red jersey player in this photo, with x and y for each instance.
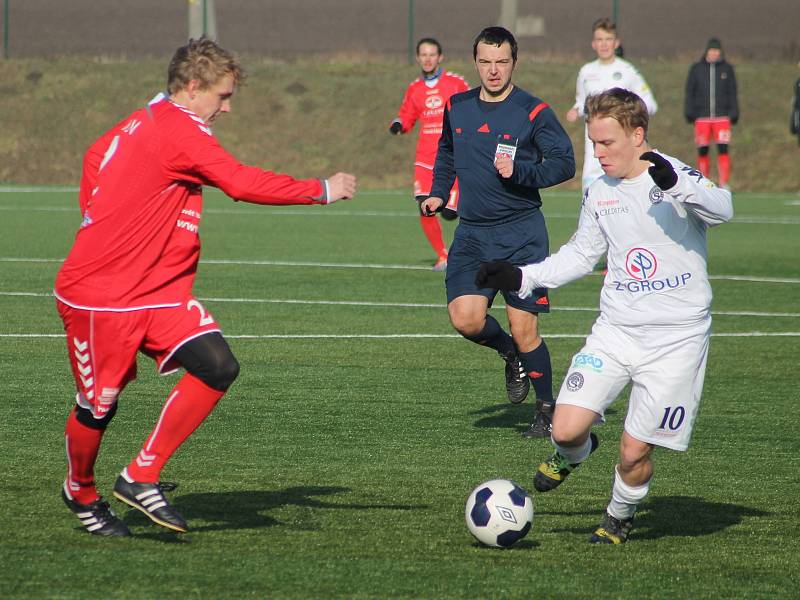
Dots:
(126, 285)
(425, 100)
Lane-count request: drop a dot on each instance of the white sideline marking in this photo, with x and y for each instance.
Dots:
(309, 211)
(728, 313)
(289, 263)
(391, 336)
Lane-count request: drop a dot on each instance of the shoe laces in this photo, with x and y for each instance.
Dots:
(558, 463)
(101, 509)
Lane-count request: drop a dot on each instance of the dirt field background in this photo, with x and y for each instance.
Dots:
(763, 30)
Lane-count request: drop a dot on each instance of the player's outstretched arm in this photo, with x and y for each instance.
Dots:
(341, 186)
(499, 275)
(711, 204)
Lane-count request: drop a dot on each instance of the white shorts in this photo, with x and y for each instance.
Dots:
(667, 366)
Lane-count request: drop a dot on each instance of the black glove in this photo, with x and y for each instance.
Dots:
(396, 127)
(661, 171)
(499, 275)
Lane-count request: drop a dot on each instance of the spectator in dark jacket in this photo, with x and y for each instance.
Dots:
(712, 106)
(794, 118)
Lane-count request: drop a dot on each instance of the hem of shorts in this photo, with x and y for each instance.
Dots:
(71, 304)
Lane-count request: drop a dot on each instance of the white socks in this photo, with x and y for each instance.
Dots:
(625, 498)
(574, 454)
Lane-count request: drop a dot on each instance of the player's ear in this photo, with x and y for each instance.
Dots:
(639, 137)
(192, 88)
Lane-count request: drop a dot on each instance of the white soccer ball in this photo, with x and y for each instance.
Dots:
(499, 513)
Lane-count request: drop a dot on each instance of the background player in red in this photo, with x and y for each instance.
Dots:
(712, 104)
(126, 285)
(425, 100)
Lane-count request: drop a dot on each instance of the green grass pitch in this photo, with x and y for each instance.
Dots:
(339, 463)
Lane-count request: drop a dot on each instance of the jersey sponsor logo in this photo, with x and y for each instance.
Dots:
(574, 381)
(641, 264)
(434, 102)
(614, 210)
(656, 195)
(584, 359)
(653, 285)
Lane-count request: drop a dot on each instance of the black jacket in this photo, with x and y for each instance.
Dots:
(711, 91)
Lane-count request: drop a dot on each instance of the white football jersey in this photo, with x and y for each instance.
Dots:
(655, 243)
(595, 77)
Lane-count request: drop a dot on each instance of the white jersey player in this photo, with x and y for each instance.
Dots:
(608, 71)
(654, 324)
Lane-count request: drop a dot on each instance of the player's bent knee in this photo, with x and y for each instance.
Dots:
(221, 375)
(209, 358)
(85, 417)
(633, 455)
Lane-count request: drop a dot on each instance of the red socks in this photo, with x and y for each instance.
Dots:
(704, 165)
(83, 444)
(189, 403)
(433, 231)
(724, 168)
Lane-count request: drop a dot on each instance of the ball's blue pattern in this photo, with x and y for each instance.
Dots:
(517, 496)
(480, 514)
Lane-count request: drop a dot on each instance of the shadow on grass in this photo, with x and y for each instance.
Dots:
(678, 516)
(246, 509)
(524, 544)
(510, 416)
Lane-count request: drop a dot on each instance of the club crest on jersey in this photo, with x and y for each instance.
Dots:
(641, 264)
(656, 194)
(617, 76)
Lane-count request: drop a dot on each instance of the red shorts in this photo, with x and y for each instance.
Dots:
(423, 181)
(717, 130)
(102, 345)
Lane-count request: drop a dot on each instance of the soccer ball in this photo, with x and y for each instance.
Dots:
(499, 513)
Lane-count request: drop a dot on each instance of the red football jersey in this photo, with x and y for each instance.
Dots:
(142, 202)
(426, 101)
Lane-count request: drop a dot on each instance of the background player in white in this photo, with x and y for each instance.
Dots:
(608, 71)
(655, 304)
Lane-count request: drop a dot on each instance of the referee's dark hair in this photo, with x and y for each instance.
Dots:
(495, 36)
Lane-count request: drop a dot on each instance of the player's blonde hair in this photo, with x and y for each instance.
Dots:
(622, 105)
(204, 61)
(605, 24)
